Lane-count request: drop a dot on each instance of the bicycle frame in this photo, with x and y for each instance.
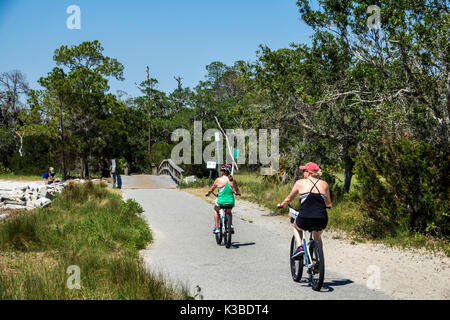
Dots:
(222, 215)
(225, 228)
(312, 259)
(306, 258)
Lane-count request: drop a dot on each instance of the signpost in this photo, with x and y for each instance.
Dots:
(235, 155)
(217, 135)
(211, 165)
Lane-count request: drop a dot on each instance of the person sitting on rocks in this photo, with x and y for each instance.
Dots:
(49, 176)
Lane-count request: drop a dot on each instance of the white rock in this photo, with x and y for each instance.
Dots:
(44, 202)
(12, 197)
(15, 202)
(46, 194)
(14, 207)
(3, 216)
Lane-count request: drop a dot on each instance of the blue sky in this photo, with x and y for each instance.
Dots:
(172, 37)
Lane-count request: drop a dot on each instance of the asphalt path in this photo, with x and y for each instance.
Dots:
(256, 266)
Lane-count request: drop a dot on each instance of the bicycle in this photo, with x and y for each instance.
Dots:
(313, 258)
(225, 230)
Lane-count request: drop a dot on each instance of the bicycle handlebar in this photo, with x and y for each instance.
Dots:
(237, 194)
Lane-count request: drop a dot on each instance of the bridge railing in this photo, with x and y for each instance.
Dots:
(169, 167)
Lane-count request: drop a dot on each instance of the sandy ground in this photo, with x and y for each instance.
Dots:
(400, 273)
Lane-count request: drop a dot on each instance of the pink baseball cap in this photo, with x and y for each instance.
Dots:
(310, 166)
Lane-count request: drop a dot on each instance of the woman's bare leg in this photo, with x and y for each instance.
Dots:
(216, 216)
(231, 215)
(317, 235)
(298, 234)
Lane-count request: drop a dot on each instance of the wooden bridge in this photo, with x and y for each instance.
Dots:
(168, 167)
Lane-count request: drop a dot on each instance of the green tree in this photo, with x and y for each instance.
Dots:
(147, 87)
(59, 88)
(88, 70)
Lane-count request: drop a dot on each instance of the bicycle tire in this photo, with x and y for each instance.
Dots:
(227, 232)
(318, 270)
(219, 234)
(296, 263)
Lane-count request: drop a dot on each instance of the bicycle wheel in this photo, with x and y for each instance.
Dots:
(227, 231)
(219, 234)
(296, 263)
(317, 271)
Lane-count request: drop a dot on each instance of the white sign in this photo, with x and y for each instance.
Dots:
(211, 164)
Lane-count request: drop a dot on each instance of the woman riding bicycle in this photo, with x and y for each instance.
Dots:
(225, 196)
(315, 198)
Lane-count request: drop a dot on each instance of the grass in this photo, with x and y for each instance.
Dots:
(88, 227)
(19, 177)
(346, 215)
(12, 176)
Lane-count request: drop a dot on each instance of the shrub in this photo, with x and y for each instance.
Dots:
(4, 170)
(404, 185)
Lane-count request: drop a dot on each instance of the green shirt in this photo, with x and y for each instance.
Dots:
(226, 196)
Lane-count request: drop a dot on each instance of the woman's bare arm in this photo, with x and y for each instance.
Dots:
(235, 184)
(212, 187)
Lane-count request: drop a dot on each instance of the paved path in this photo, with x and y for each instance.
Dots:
(255, 267)
(147, 182)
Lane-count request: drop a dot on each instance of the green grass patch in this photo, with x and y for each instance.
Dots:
(91, 228)
(12, 176)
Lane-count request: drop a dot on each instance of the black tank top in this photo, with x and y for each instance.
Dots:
(314, 205)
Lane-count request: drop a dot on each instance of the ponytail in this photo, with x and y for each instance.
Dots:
(317, 174)
(230, 177)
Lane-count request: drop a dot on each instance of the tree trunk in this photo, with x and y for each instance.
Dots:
(63, 164)
(63, 156)
(149, 132)
(84, 168)
(349, 163)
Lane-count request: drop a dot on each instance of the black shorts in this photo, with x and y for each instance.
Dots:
(311, 223)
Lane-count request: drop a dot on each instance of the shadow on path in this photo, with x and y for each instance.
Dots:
(236, 245)
(327, 285)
